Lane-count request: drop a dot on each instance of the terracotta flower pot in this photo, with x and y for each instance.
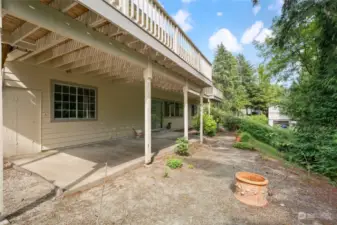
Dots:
(251, 189)
(238, 139)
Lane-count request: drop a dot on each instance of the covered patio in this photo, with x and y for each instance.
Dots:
(56, 51)
(79, 168)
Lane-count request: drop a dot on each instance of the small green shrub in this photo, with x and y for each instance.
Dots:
(209, 124)
(174, 163)
(245, 137)
(219, 115)
(182, 147)
(232, 123)
(262, 119)
(243, 145)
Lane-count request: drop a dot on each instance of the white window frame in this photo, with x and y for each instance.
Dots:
(77, 86)
(172, 109)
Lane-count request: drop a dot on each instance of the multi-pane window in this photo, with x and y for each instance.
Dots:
(194, 110)
(173, 109)
(74, 102)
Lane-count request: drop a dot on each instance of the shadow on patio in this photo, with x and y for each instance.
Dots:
(79, 168)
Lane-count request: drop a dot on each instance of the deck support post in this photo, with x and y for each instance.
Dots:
(185, 89)
(147, 130)
(202, 116)
(1, 118)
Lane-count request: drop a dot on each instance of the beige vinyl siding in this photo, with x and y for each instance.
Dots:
(120, 107)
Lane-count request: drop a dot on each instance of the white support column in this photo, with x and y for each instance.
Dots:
(147, 132)
(186, 110)
(1, 119)
(209, 106)
(201, 116)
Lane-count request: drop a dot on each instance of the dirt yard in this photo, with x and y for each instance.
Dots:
(202, 195)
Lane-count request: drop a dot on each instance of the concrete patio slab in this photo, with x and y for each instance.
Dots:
(80, 168)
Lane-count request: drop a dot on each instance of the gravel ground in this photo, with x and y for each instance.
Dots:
(23, 191)
(202, 195)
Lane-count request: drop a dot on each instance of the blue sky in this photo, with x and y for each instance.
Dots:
(235, 23)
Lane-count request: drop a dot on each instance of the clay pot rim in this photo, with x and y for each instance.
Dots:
(238, 176)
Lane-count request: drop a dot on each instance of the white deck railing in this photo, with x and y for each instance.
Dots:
(214, 92)
(152, 17)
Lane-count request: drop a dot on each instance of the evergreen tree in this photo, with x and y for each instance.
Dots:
(225, 76)
(247, 78)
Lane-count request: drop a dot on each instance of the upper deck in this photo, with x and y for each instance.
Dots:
(152, 18)
(109, 38)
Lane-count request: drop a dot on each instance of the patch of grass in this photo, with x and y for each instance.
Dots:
(266, 149)
(190, 166)
(174, 163)
(243, 146)
(248, 142)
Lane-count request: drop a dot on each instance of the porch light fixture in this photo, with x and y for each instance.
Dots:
(32, 7)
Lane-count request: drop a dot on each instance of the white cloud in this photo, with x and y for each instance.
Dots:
(219, 13)
(184, 19)
(256, 9)
(276, 6)
(263, 35)
(187, 1)
(251, 33)
(256, 32)
(225, 37)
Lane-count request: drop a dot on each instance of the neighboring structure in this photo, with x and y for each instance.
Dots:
(79, 71)
(275, 117)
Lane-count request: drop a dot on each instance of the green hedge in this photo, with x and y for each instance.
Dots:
(276, 137)
(244, 146)
(259, 119)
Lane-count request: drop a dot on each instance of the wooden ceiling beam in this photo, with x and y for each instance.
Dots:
(93, 67)
(64, 6)
(74, 56)
(58, 51)
(111, 31)
(84, 62)
(26, 29)
(6, 39)
(45, 43)
(22, 32)
(91, 19)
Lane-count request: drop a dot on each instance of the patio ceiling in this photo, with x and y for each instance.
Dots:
(37, 45)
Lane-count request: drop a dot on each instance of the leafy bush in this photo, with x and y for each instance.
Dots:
(209, 124)
(182, 146)
(245, 137)
(315, 152)
(278, 138)
(259, 118)
(243, 145)
(231, 122)
(219, 115)
(174, 163)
